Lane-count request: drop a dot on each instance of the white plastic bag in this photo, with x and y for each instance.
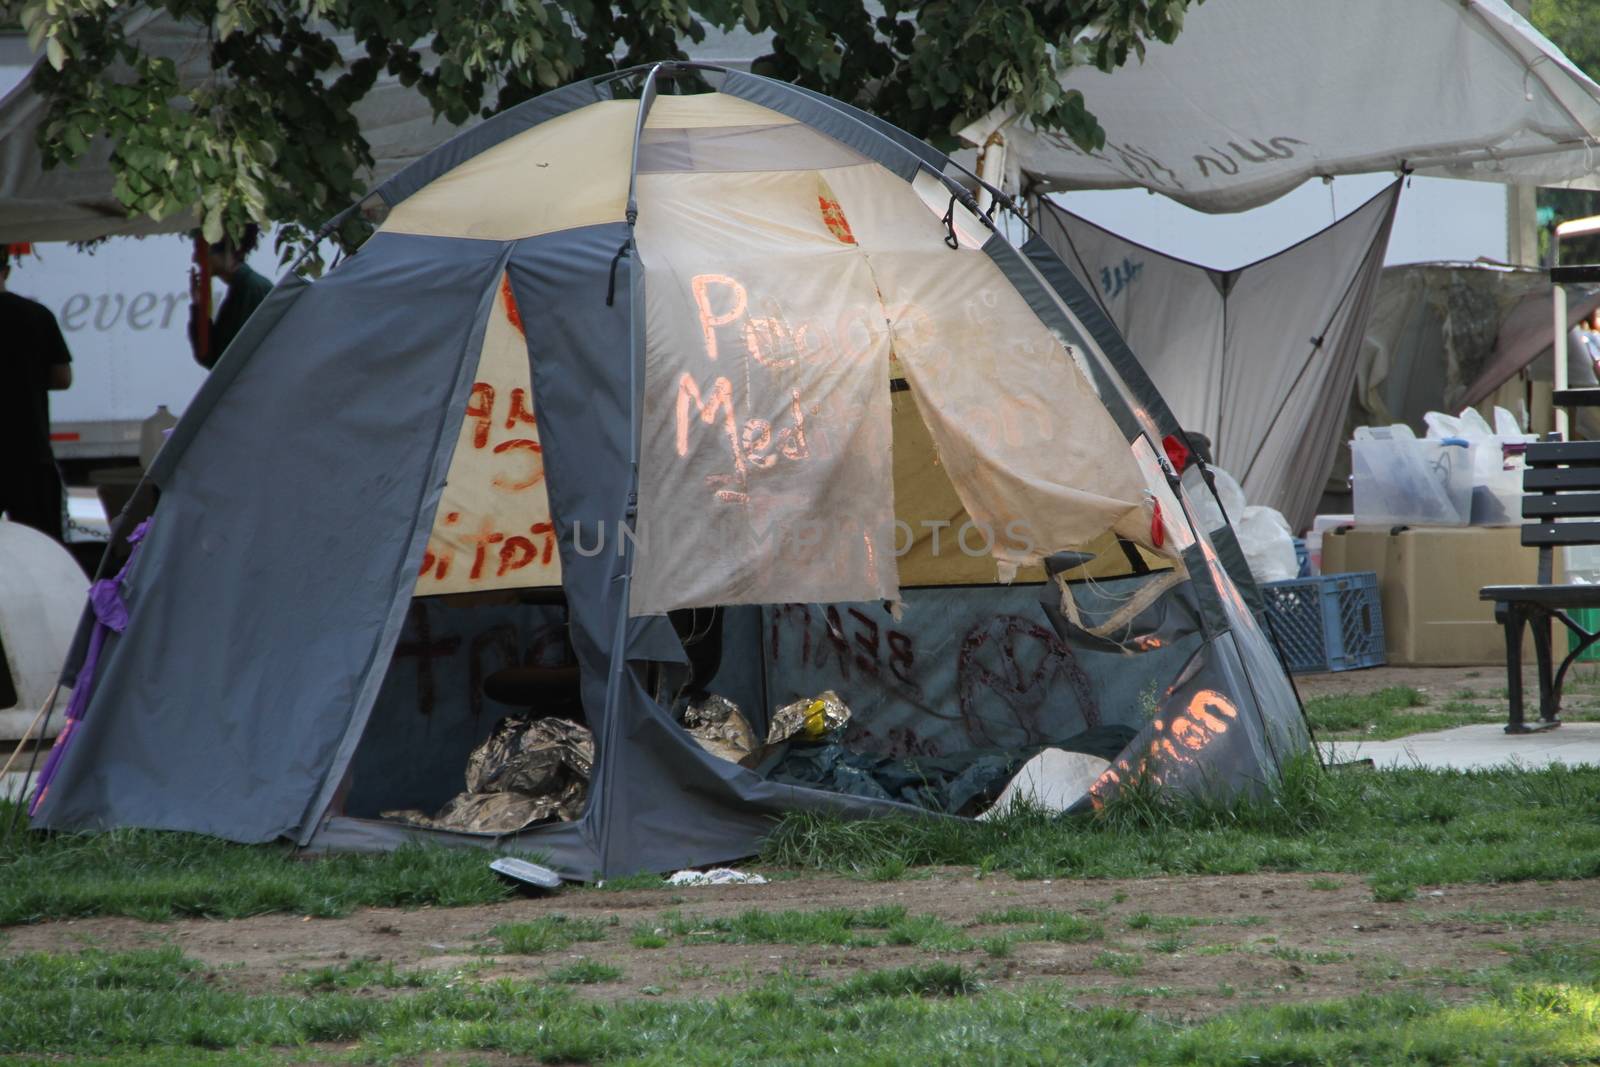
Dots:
(1206, 511)
(1268, 544)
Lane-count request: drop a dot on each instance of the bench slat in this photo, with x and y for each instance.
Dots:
(1555, 596)
(1550, 453)
(1553, 478)
(1561, 505)
(1561, 533)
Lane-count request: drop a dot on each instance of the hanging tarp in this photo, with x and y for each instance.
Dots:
(1259, 359)
(1256, 96)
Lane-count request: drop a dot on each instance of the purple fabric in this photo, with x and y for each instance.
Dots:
(110, 616)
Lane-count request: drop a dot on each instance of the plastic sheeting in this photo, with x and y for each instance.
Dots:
(1258, 359)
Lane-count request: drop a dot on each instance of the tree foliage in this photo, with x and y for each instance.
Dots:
(271, 137)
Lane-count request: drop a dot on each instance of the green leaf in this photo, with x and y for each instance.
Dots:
(75, 142)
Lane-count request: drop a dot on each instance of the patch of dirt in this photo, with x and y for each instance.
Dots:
(1270, 937)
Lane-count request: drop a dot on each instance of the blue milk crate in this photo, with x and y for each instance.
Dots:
(1332, 622)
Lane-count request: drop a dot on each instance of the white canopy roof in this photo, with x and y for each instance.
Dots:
(76, 203)
(1256, 96)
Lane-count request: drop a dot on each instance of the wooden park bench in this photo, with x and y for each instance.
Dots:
(1562, 482)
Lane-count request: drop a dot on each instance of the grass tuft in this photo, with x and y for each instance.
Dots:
(932, 980)
(585, 972)
(546, 934)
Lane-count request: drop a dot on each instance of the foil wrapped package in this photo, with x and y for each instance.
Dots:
(720, 728)
(533, 757)
(809, 719)
(528, 771)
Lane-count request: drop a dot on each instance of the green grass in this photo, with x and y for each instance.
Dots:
(156, 875)
(1390, 713)
(1516, 920)
(360, 974)
(1040, 924)
(546, 934)
(1121, 963)
(857, 928)
(585, 972)
(156, 1007)
(1396, 829)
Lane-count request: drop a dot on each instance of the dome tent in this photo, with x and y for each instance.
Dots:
(747, 348)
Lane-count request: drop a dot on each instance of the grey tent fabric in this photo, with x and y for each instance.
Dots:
(299, 490)
(251, 709)
(1250, 357)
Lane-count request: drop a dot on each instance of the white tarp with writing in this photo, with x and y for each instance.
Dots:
(781, 302)
(1256, 96)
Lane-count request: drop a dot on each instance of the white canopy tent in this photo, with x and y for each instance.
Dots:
(1256, 96)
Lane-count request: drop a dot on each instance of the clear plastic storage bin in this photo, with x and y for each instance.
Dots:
(1399, 479)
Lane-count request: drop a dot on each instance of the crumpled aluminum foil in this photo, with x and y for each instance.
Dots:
(531, 757)
(526, 772)
(809, 719)
(720, 728)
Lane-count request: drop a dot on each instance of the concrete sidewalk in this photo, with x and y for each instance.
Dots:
(1477, 747)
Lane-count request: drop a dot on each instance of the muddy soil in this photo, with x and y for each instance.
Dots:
(1279, 937)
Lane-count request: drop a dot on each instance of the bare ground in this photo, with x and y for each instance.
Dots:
(1269, 937)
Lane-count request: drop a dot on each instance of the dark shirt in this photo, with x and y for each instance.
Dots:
(246, 292)
(30, 344)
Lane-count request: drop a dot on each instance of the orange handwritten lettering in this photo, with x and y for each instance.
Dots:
(535, 465)
(701, 285)
(480, 406)
(721, 398)
(521, 410)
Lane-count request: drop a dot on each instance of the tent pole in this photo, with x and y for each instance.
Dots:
(618, 667)
(991, 170)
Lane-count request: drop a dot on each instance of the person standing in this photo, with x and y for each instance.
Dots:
(33, 361)
(247, 290)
